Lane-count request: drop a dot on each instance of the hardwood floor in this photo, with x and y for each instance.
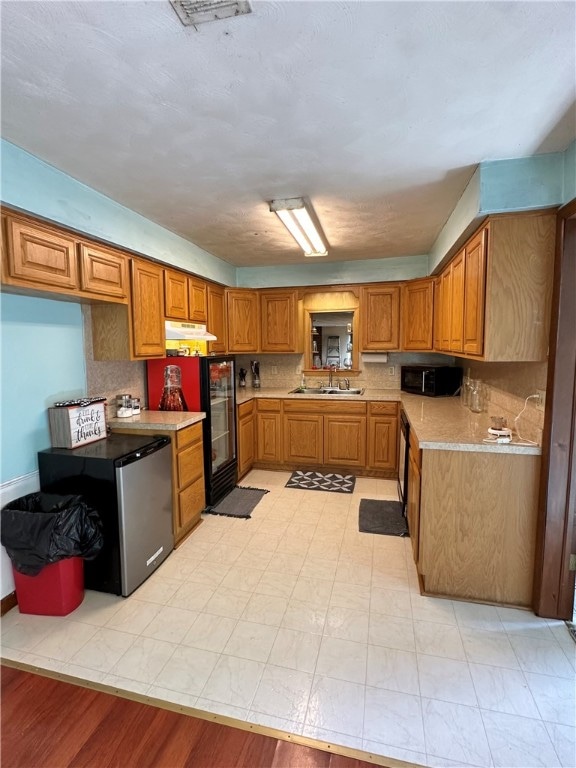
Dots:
(47, 723)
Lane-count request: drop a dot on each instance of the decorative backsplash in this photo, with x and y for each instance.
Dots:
(110, 378)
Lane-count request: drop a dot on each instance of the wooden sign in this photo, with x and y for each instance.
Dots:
(73, 426)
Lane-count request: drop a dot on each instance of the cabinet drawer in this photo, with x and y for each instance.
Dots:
(267, 404)
(389, 409)
(190, 464)
(246, 409)
(324, 406)
(191, 502)
(188, 435)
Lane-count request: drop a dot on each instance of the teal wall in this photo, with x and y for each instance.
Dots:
(334, 273)
(32, 185)
(569, 175)
(41, 361)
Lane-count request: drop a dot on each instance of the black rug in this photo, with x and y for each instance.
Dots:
(238, 503)
(382, 517)
(316, 481)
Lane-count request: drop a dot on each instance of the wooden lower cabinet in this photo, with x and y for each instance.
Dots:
(303, 438)
(268, 431)
(246, 437)
(345, 440)
(477, 528)
(383, 436)
(188, 490)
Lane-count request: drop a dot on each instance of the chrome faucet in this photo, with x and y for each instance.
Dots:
(331, 375)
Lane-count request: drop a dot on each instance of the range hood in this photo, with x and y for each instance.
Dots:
(190, 331)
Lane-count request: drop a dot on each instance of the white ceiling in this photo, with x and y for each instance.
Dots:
(378, 112)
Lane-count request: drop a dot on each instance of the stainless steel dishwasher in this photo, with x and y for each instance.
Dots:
(128, 480)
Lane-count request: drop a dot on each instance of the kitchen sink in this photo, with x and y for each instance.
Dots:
(325, 391)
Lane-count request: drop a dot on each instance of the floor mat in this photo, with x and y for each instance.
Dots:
(383, 517)
(316, 481)
(238, 503)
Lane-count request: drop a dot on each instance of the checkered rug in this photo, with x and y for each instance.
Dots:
(316, 481)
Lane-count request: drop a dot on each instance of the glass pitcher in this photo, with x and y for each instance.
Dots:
(172, 396)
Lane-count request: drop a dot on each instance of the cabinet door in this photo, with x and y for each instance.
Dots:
(197, 300)
(457, 313)
(303, 438)
(418, 315)
(380, 317)
(413, 506)
(383, 442)
(191, 502)
(268, 437)
(216, 318)
(345, 440)
(148, 309)
(103, 271)
(474, 294)
(246, 444)
(446, 311)
(243, 313)
(41, 256)
(438, 313)
(278, 318)
(175, 294)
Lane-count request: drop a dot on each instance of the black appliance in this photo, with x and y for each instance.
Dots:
(127, 479)
(403, 460)
(431, 380)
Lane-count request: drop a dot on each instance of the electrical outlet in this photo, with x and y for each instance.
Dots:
(541, 402)
(274, 369)
(391, 370)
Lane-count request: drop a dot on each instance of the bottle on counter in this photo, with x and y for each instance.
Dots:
(466, 389)
(172, 396)
(476, 396)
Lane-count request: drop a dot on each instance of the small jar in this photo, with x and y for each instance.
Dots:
(124, 406)
(476, 397)
(135, 406)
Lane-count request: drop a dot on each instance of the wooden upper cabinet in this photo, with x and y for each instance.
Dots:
(446, 309)
(418, 315)
(197, 300)
(103, 271)
(147, 309)
(496, 292)
(437, 312)
(279, 321)
(243, 313)
(380, 317)
(474, 294)
(457, 303)
(40, 256)
(176, 294)
(216, 317)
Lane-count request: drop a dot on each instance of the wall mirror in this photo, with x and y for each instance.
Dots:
(331, 341)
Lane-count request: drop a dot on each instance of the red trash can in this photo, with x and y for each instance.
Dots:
(56, 591)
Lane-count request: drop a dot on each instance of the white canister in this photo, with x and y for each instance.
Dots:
(135, 406)
(123, 406)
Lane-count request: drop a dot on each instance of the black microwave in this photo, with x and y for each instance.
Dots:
(431, 380)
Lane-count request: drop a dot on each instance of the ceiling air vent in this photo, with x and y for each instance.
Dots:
(191, 13)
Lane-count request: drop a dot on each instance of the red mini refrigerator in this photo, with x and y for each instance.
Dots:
(207, 385)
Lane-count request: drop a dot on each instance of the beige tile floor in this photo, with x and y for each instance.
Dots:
(293, 619)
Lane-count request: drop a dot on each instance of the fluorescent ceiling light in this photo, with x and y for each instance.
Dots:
(296, 217)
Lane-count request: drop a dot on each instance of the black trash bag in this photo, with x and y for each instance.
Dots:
(43, 528)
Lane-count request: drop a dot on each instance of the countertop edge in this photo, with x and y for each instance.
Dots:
(167, 421)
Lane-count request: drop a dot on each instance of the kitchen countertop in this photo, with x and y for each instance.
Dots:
(168, 421)
(440, 423)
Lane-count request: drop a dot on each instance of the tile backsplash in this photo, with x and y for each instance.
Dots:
(508, 384)
(114, 377)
